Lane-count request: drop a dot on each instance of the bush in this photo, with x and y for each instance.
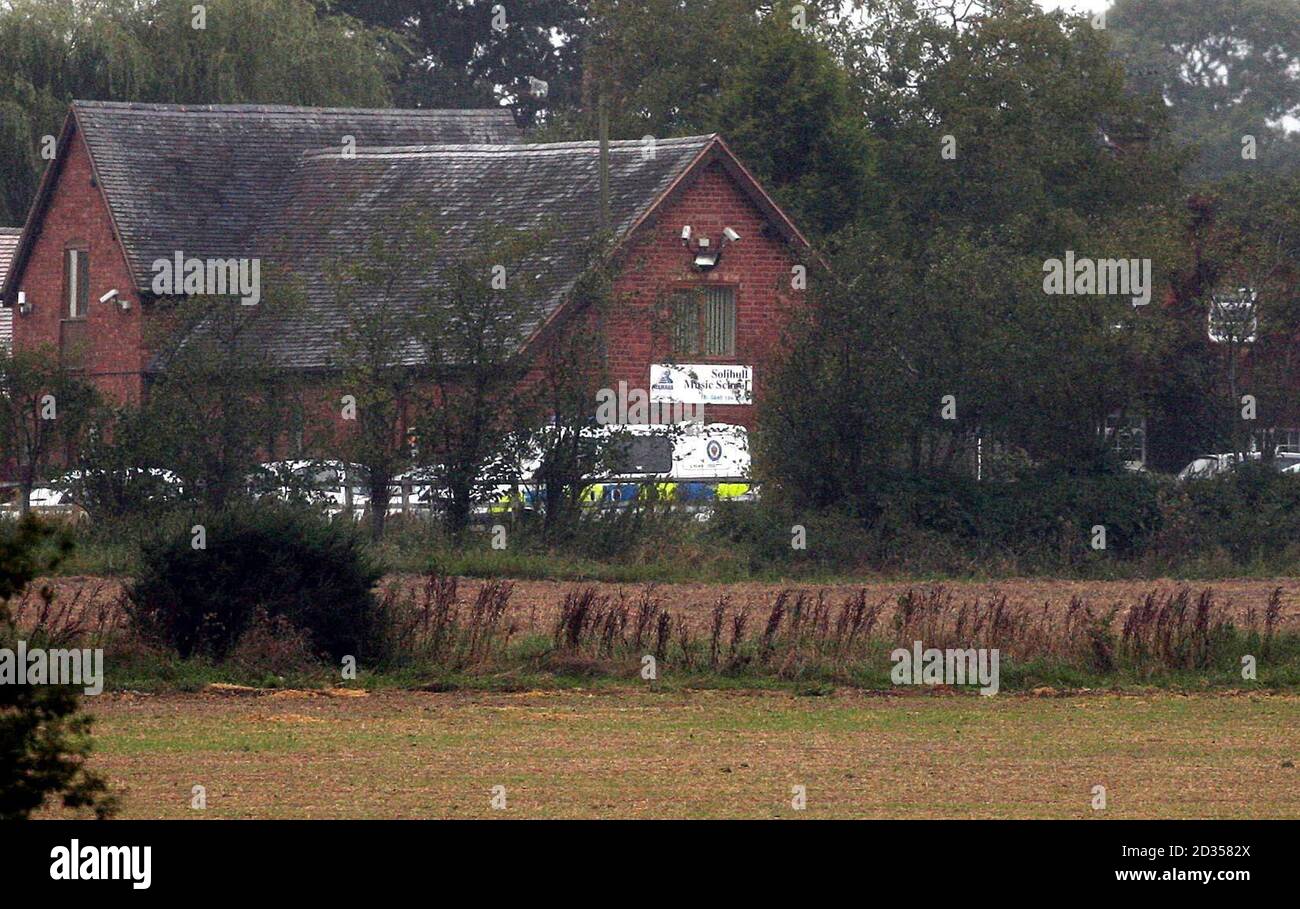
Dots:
(834, 542)
(1252, 513)
(954, 524)
(44, 736)
(277, 562)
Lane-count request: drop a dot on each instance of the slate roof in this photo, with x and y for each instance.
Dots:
(201, 178)
(332, 206)
(273, 183)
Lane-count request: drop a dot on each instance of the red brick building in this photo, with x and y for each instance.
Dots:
(296, 189)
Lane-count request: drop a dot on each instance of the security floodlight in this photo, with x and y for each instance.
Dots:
(23, 306)
(706, 255)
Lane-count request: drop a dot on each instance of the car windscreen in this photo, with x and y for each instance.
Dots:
(641, 455)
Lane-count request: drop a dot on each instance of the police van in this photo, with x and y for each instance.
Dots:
(690, 464)
(693, 464)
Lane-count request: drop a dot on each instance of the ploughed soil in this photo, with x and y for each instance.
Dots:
(634, 752)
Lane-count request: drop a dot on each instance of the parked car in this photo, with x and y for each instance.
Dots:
(67, 495)
(692, 464)
(1217, 464)
(336, 486)
(423, 493)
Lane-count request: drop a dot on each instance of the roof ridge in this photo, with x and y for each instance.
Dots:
(159, 108)
(392, 151)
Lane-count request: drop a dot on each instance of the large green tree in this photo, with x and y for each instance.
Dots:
(1226, 69)
(791, 113)
(480, 53)
(764, 75)
(234, 51)
(1247, 239)
(1006, 140)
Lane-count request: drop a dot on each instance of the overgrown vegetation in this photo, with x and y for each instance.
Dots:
(1243, 523)
(429, 631)
(44, 735)
(202, 589)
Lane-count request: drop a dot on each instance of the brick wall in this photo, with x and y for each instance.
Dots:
(78, 216)
(654, 263)
(758, 267)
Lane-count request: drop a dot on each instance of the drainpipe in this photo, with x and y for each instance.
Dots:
(604, 166)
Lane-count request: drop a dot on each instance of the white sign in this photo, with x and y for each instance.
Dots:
(687, 383)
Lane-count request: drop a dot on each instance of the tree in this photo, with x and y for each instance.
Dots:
(484, 307)
(235, 51)
(378, 355)
(790, 112)
(44, 738)
(457, 54)
(118, 464)
(43, 411)
(658, 65)
(933, 331)
(1247, 247)
(217, 403)
(1225, 68)
(763, 75)
(567, 452)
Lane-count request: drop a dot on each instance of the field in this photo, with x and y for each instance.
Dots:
(643, 754)
(610, 746)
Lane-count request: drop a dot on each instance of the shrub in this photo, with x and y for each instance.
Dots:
(44, 737)
(953, 524)
(1252, 512)
(280, 562)
(834, 542)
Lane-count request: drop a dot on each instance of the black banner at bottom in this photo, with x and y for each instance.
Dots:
(142, 859)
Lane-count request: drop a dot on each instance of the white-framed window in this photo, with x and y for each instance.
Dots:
(1287, 439)
(76, 278)
(1128, 437)
(1232, 317)
(704, 322)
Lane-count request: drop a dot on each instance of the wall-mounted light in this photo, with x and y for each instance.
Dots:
(24, 308)
(706, 255)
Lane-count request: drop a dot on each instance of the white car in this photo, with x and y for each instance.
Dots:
(337, 486)
(423, 493)
(1208, 466)
(1216, 464)
(63, 494)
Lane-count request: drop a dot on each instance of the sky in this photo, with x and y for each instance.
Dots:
(1082, 6)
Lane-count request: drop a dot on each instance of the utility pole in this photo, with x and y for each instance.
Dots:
(603, 117)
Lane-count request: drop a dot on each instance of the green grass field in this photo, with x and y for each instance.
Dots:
(694, 754)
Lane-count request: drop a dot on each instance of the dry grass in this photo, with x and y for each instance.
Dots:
(541, 601)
